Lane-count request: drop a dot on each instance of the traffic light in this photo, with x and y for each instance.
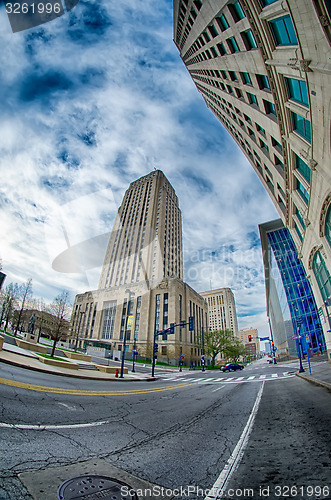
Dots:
(172, 328)
(191, 323)
(156, 347)
(164, 336)
(249, 338)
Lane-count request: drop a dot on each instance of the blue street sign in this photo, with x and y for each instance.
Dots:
(264, 338)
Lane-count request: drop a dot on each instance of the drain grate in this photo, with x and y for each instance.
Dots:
(94, 488)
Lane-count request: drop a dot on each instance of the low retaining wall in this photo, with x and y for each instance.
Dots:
(111, 369)
(79, 357)
(30, 346)
(60, 364)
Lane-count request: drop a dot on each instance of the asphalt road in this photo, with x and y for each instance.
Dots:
(243, 432)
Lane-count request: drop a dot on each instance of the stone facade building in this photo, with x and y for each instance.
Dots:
(221, 310)
(263, 68)
(142, 277)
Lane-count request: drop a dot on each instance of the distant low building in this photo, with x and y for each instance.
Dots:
(44, 324)
(250, 337)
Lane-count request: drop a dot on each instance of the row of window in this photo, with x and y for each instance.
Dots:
(281, 28)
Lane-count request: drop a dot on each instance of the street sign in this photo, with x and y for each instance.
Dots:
(129, 324)
(264, 338)
(274, 348)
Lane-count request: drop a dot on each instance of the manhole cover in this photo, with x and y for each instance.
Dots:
(94, 488)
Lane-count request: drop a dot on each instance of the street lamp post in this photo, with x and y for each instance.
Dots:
(272, 344)
(131, 294)
(203, 361)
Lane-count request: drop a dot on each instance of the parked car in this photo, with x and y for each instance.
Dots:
(232, 367)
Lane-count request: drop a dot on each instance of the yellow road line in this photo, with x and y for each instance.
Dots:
(74, 392)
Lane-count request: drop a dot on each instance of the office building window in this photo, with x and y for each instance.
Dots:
(298, 232)
(283, 31)
(222, 22)
(108, 319)
(233, 76)
(303, 192)
(252, 99)
(269, 107)
(233, 45)
(322, 275)
(246, 78)
(212, 30)
(302, 126)
(267, 2)
(157, 313)
(328, 225)
(300, 218)
(263, 82)
(236, 11)
(249, 40)
(165, 310)
(221, 49)
(303, 168)
(297, 90)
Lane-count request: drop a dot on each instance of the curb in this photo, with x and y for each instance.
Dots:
(326, 385)
(86, 377)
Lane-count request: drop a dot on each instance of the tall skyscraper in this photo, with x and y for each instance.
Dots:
(263, 68)
(221, 310)
(146, 240)
(142, 277)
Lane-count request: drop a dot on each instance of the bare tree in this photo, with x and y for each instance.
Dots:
(25, 293)
(8, 303)
(60, 310)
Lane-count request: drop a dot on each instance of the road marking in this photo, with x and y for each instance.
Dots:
(51, 427)
(230, 378)
(75, 392)
(251, 378)
(274, 375)
(262, 377)
(234, 460)
(240, 378)
(218, 388)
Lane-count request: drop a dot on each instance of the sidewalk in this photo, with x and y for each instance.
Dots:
(320, 374)
(23, 358)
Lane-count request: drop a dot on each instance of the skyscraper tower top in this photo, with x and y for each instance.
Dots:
(146, 241)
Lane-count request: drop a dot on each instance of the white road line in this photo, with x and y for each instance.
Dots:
(51, 427)
(227, 380)
(233, 462)
(218, 388)
(262, 377)
(251, 378)
(274, 375)
(208, 379)
(219, 379)
(240, 378)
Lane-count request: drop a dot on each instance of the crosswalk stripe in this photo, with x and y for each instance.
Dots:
(274, 375)
(240, 378)
(262, 376)
(251, 378)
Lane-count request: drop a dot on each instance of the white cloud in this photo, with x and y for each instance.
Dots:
(89, 108)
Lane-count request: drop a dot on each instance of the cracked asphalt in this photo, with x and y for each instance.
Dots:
(182, 436)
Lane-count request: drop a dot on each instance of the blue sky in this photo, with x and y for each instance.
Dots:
(91, 102)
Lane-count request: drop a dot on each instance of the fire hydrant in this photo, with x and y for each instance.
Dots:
(116, 373)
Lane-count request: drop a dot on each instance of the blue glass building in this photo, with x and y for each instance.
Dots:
(291, 306)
